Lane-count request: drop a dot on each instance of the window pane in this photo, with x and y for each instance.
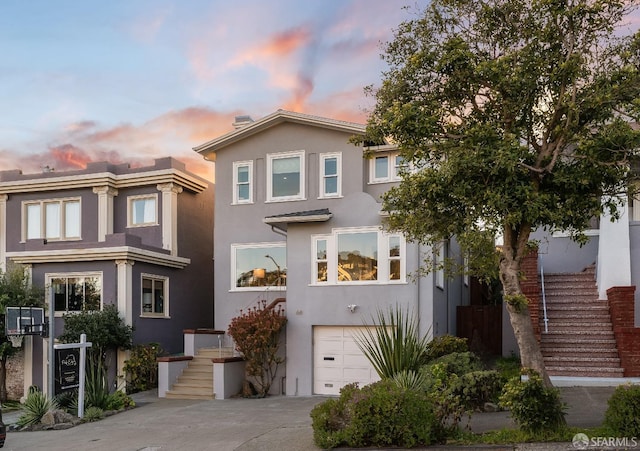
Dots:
(321, 250)
(357, 256)
(243, 174)
(143, 211)
(59, 288)
(394, 246)
(382, 167)
(322, 272)
(285, 177)
(147, 295)
(72, 219)
(331, 185)
(158, 296)
(33, 222)
(330, 166)
(256, 266)
(75, 293)
(243, 192)
(92, 291)
(394, 270)
(52, 218)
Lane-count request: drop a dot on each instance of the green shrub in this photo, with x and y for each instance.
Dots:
(119, 400)
(66, 400)
(443, 345)
(508, 367)
(533, 406)
(476, 388)
(34, 408)
(459, 363)
(142, 368)
(93, 414)
(622, 417)
(379, 414)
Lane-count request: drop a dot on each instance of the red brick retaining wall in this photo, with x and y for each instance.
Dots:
(622, 310)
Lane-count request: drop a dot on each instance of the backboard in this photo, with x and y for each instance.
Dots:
(24, 321)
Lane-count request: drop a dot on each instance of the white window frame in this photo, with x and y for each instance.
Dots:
(131, 200)
(67, 275)
(265, 245)
(236, 182)
(62, 226)
(165, 300)
(324, 176)
(281, 155)
(393, 171)
(383, 264)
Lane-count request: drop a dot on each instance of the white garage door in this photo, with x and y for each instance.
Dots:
(337, 360)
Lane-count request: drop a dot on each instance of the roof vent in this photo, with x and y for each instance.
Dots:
(241, 121)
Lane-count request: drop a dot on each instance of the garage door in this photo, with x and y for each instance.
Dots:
(337, 360)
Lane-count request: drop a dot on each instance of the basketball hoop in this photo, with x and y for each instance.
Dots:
(16, 340)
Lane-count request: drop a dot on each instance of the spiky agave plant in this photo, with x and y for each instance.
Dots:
(393, 345)
(34, 408)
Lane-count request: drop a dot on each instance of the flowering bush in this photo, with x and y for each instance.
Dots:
(256, 333)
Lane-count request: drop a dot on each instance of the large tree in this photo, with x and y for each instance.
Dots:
(514, 115)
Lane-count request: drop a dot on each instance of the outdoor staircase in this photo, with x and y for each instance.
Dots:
(196, 380)
(580, 340)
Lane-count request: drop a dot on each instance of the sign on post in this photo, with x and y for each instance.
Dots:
(83, 345)
(67, 369)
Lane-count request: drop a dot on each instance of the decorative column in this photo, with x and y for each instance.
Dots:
(614, 251)
(3, 231)
(105, 210)
(170, 193)
(125, 303)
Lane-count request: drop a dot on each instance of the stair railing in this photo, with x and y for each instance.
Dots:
(544, 302)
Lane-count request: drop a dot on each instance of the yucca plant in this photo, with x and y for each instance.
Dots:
(93, 413)
(34, 408)
(96, 386)
(394, 345)
(411, 380)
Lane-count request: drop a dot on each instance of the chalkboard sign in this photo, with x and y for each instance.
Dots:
(67, 375)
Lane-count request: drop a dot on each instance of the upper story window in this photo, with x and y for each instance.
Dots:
(285, 176)
(386, 168)
(55, 219)
(358, 255)
(142, 210)
(76, 292)
(243, 182)
(330, 175)
(154, 298)
(258, 266)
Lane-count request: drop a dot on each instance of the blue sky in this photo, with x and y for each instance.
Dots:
(129, 81)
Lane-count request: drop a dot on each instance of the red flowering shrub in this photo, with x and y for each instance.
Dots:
(256, 333)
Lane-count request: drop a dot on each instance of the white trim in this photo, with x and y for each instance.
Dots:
(438, 259)
(564, 234)
(3, 232)
(235, 198)
(165, 300)
(131, 200)
(95, 254)
(392, 168)
(105, 210)
(271, 157)
(264, 245)
(323, 175)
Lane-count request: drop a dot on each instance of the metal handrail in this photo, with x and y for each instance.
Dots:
(544, 302)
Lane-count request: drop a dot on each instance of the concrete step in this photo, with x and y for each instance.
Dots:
(577, 342)
(192, 384)
(212, 353)
(585, 371)
(179, 395)
(558, 326)
(586, 334)
(573, 307)
(590, 352)
(572, 361)
(551, 298)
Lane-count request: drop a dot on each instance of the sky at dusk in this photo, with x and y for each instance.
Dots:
(127, 81)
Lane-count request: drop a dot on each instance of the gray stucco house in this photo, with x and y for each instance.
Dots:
(298, 215)
(140, 238)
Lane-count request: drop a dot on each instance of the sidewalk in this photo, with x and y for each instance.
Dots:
(275, 423)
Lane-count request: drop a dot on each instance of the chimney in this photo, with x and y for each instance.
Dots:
(241, 121)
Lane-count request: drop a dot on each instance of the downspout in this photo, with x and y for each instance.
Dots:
(278, 230)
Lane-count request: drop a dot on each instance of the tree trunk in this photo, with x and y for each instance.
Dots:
(3, 378)
(530, 353)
